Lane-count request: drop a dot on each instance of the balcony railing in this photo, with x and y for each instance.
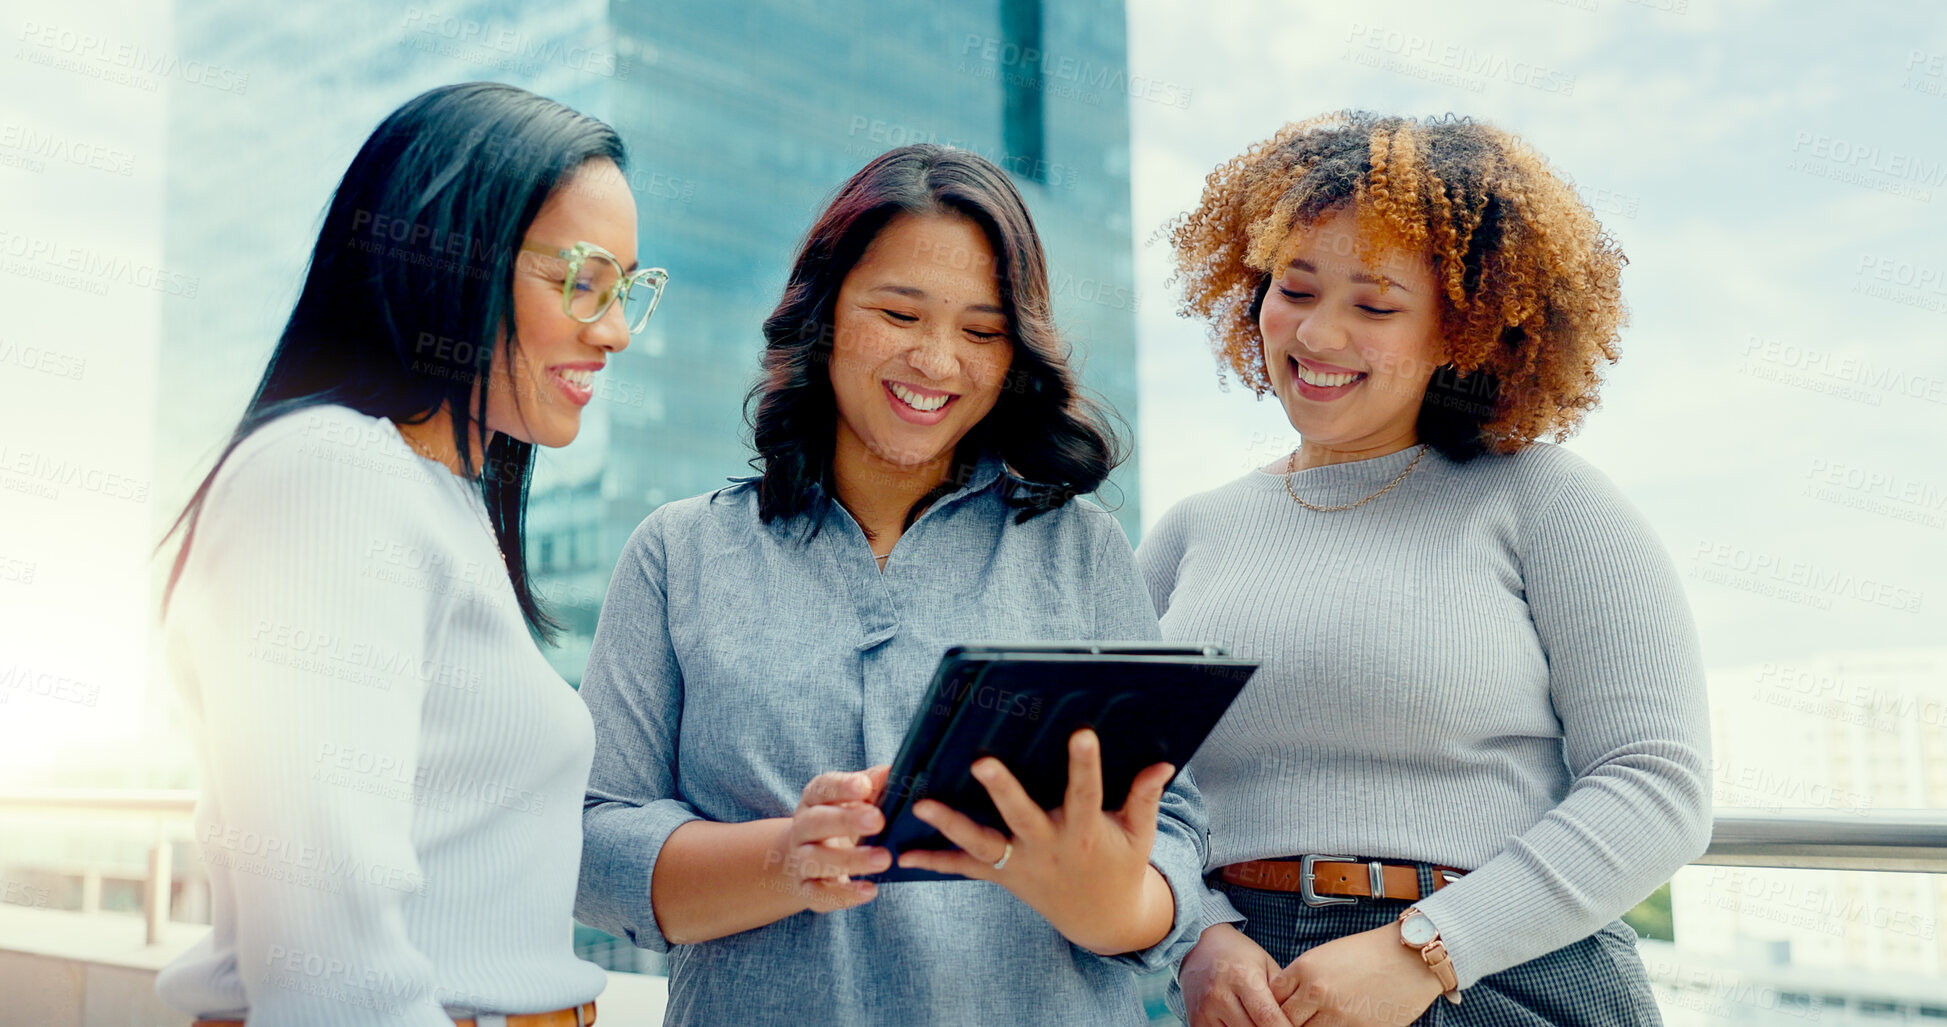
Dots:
(1911, 841)
(1902, 841)
(165, 808)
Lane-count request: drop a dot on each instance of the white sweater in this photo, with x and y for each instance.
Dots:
(393, 775)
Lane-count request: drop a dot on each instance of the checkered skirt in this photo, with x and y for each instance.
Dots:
(1596, 982)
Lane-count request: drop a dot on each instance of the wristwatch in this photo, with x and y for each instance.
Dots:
(1416, 932)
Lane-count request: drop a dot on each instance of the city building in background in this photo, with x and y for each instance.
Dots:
(741, 121)
(249, 174)
(1847, 734)
(170, 164)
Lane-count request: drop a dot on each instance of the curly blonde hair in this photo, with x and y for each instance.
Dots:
(1531, 279)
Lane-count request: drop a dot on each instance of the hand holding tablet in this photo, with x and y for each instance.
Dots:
(996, 743)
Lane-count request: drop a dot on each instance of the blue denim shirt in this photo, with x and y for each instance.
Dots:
(734, 661)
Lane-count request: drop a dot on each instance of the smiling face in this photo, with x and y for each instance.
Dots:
(920, 343)
(538, 396)
(1348, 349)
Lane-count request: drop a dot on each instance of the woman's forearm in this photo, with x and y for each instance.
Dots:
(1145, 923)
(713, 879)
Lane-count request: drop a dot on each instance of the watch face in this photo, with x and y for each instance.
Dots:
(1417, 930)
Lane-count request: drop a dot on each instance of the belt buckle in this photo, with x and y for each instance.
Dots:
(1308, 873)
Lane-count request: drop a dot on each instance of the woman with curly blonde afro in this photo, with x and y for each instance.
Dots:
(1479, 732)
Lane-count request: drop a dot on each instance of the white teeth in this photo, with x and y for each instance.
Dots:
(580, 378)
(917, 401)
(1321, 379)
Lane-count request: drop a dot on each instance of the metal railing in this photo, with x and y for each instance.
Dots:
(1911, 841)
(1901, 841)
(164, 807)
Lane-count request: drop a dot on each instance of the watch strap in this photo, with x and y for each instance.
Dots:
(1434, 954)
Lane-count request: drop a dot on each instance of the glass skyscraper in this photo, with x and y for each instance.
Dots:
(250, 172)
(741, 120)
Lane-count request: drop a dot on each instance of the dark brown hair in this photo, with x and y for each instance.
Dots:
(1055, 442)
(1531, 280)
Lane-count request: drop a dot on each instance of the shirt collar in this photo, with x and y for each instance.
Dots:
(985, 471)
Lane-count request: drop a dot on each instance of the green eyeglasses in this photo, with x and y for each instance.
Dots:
(596, 279)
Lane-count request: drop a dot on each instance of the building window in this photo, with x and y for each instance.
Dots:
(1023, 133)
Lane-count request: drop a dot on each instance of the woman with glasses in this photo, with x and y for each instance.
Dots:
(764, 647)
(393, 774)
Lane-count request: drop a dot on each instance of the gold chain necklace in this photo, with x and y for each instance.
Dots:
(1291, 465)
(414, 445)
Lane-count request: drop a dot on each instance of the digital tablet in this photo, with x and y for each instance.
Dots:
(1150, 702)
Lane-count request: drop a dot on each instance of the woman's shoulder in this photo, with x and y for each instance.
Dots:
(1082, 531)
(325, 456)
(1538, 472)
(1210, 509)
(1545, 484)
(731, 509)
(297, 430)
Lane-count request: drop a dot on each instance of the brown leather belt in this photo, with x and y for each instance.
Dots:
(1334, 880)
(580, 1016)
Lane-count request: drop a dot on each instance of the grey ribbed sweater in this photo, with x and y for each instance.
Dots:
(1491, 667)
(392, 773)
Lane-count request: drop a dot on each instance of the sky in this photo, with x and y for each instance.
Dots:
(1776, 173)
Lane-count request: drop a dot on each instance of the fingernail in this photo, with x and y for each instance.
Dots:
(983, 770)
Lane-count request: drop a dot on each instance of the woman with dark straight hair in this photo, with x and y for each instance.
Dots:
(391, 768)
(922, 444)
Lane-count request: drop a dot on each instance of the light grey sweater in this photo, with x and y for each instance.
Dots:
(1491, 667)
(392, 773)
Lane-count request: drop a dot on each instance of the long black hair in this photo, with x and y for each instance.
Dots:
(417, 250)
(1055, 442)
